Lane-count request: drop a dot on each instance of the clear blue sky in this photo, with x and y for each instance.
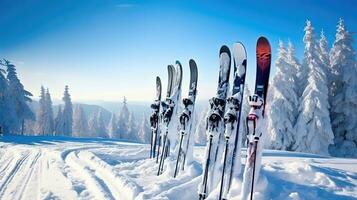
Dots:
(105, 49)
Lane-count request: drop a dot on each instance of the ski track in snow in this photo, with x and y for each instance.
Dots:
(71, 168)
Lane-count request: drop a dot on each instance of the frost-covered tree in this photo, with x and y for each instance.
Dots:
(80, 123)
(343, 93)
(133, 129)
(324, 54)
(310, 43)
(112, 127)
(19, 99)
(294, 62)
(41, 113)
(48, 119)
(101, 129)
(92, 125)
(96, 125)
(59, 122)
(144, 134)
(6, 110)
(123, 121)
(30, 127)
(282, 102)
(67, 113)
(313, 128)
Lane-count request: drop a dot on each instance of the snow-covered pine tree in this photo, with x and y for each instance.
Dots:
(6, 111)
(59, 122)
(294, 62)
(101, 130)
(67, 113)
(343, 93)
(324, 54)
(282, 102)
(123, 121)
(41, 113)
(112, 126)
(92, 125)
(80, 123)
(19, 99)
(313, 125)
(96, 125)
(133, 129)
(49, 123)
(144, 134)
(304, 70)
(30, 127)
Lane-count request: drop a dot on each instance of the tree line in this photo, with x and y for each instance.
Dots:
(312, 105)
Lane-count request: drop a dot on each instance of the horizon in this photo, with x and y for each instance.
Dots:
(98, 47)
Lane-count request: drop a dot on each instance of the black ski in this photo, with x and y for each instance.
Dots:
(215, 124)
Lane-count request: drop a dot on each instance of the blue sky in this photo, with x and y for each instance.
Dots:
(105, 49)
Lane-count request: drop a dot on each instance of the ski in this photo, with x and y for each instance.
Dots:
(186, 118)
(255, 134)
(170, 75)
(215, 124)
(168, 123)
(154, 118)
(232, 120)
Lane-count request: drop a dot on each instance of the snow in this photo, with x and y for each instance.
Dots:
(86, 168)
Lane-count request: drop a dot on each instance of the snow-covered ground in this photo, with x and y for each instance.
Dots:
(70, 168)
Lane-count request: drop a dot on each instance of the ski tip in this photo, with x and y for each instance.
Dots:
(158, 79)
(263, 41)
(239, 47)
(238, 43)
(170, 67)
(263, 51)
(225, 49)
(192, 63)
(178, 62)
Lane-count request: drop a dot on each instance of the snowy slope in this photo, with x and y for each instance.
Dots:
(69, 168)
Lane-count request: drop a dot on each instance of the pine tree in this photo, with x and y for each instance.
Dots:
(313, 126)
(96, 125)
(297, 68)
(123, 122)
(132, 133)
(144, 134)
(67, 113)
(282, 102)
(324, 54)
(6, 110)
(343, 93)
(59, 122)
(41, 113)
(19, 99)
(112, 127)
(101, 129)
(80, 124)
(48, 119)
(92, 125)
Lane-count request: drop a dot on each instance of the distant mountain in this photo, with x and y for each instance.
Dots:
(138, 109)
